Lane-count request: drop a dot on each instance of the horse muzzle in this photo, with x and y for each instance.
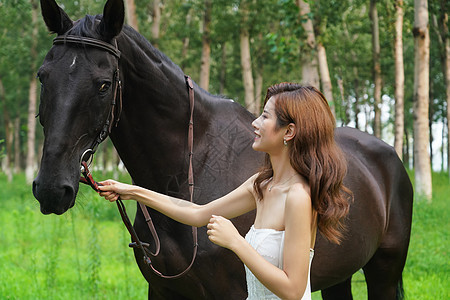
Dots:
(54, 197)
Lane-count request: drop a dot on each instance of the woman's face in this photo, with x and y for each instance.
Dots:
(268, 137)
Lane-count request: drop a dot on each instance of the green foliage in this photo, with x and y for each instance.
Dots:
(276, 36)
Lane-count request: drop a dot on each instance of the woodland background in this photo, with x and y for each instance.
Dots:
(383, 65)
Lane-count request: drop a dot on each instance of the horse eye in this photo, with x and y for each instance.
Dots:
(104, 87)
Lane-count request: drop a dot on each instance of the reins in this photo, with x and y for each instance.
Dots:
(113, 119)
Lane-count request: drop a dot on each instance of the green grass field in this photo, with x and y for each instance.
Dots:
(84, 253)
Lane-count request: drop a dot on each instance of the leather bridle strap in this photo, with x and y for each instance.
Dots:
(116, 106)
(137, 243)
(116, 103)
(73, 39)
(89, 180)
(148, 219)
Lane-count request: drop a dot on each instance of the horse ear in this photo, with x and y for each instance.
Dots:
(113, 18)
(55, 18)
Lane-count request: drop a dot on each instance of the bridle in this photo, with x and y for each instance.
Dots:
(113, 120)
(116, 103)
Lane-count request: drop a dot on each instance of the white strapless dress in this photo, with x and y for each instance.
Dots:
(269, 243)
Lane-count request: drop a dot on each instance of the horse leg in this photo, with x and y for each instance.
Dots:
(384, 270)
(384, 275)
(340, 291)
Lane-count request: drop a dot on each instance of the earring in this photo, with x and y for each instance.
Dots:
(284, 142)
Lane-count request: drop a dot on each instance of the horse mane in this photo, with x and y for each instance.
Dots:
(86, 27)
(89, 27)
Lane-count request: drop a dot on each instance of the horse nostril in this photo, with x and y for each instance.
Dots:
(34, 189)
(69, 196)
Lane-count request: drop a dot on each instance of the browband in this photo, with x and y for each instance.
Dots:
(87, 41)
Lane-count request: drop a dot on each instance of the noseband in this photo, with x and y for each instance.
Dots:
(113, 120)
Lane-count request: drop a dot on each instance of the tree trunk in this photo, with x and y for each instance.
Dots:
(357, 97)
(9, 136)
(17, 152)
(185, 42)
(308, 55)
(156, 22)
(344, 103)
(447, 82)
(259, 94)
(247, 75)
(376, 68)
(6, 162)
(444, 42)
(206, 47)
(325, 76)
(356, 82)
(443, 146)
(31, 165)
(223, 68)
(422, 163)
(130, 11)
(246, 62)
(406, 155)
(399, 79)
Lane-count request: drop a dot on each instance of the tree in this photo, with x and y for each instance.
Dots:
(31, 165)
(14, 74)
(130, 11)
(206, 46)
(308, 57)
(156, 22)
(6, 163)
(399, 79)
(373, 12)
(246, 61)
(422, 164)
(325, 79)
(440, 24)
(322, 13)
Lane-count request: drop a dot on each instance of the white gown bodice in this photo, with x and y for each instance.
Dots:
(269, 243)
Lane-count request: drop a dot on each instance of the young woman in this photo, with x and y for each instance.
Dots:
(298, 190)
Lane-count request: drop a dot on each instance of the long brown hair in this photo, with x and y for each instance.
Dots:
(313, 153)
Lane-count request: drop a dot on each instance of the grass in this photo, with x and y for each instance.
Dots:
(427, 270)
(83, 254)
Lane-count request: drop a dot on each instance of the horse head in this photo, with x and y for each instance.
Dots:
(79, 78)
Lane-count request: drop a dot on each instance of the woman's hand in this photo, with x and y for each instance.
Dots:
(222, 232)
(111, 190)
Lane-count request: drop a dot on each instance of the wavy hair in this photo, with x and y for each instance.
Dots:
(313, 153)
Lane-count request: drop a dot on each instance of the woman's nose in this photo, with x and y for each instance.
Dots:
(254, 123)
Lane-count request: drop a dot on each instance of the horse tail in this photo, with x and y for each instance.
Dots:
(400, 294)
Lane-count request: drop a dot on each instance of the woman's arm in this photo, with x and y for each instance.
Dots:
(235, 203)
(291, 281)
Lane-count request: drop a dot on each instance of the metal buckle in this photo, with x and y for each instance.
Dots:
(88, 161)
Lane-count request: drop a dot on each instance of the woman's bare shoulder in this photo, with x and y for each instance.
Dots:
(298, 197)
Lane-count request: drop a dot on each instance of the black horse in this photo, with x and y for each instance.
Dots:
(80, 79)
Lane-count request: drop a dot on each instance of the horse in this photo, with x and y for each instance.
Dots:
(99, 68)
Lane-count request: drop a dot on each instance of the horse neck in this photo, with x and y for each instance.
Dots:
(154, 122)
(149, 75)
